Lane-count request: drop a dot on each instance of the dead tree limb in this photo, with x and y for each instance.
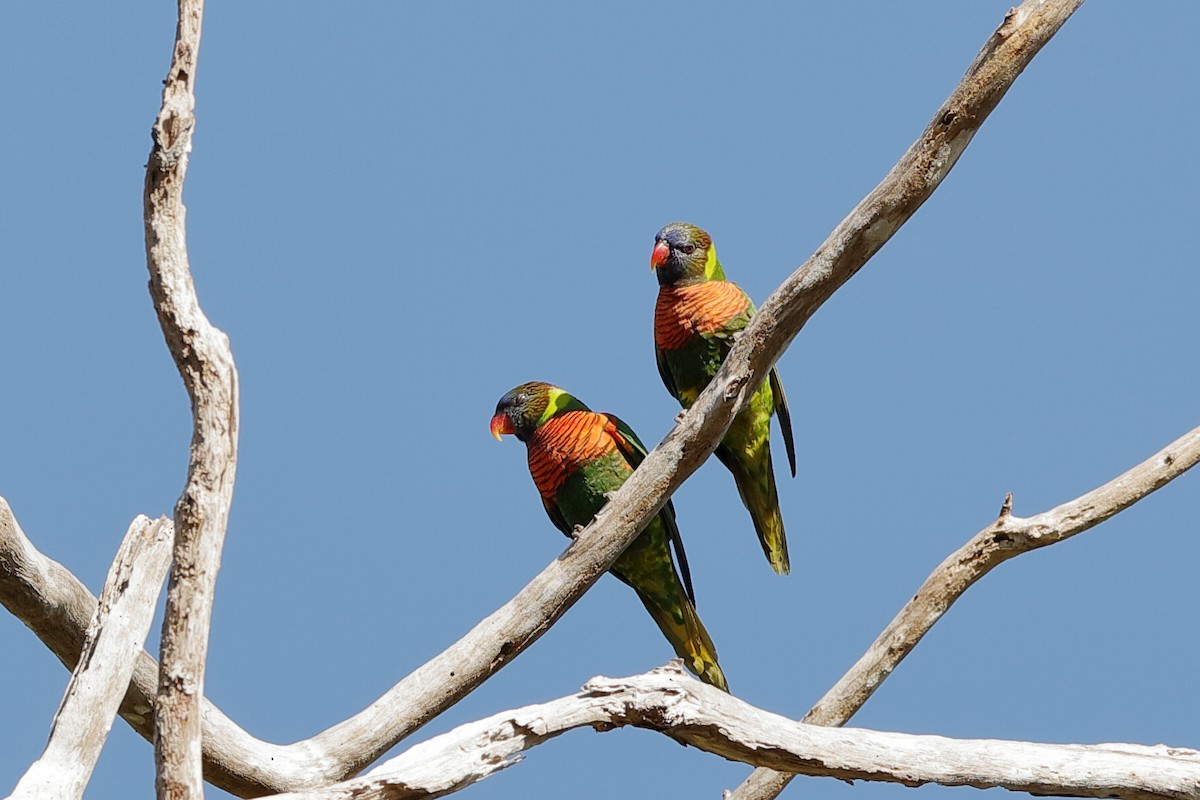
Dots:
(205, 363)
(675, 704)
(1007, 537)
(48, 586)
(114, 640)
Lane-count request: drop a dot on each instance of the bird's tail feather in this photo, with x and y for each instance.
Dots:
(761, 499)
(691, 641)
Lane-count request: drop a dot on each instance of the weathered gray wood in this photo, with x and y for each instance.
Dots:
(38, 586)
(1007, 537)
(669, 701)
(114, 639)
(57, 607)
(205, 363)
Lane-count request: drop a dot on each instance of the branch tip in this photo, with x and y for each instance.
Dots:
(1006, 507)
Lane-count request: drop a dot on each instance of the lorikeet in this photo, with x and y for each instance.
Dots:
(695, 320)
(577, 457)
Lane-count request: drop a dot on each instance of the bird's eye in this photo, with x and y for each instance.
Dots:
(687, 249)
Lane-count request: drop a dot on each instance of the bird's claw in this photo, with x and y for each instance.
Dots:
(679, 417)
(578, 529)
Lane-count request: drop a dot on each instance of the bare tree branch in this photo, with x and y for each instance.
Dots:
(114, 640)
(246, 766)
(202, 355)
(57, 607)
(425, 770)
(673, 703)
(496, 640)
(43, 594)
(1007, 537)
(48, 590)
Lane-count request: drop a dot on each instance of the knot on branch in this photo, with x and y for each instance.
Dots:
(172, 135)
(734, 388)
(601, 686)
(1012, 21)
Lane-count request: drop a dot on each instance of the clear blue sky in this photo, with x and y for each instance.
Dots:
(399, 211)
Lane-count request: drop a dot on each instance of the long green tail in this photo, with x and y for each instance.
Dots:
(690, 640)
(755, 481)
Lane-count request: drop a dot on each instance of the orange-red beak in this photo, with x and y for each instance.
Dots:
(662, 251)
(501, 425)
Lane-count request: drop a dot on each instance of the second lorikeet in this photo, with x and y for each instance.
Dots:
(697, 315)
(577, 457)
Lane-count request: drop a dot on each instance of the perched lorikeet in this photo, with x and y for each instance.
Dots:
(695, 320)
(577, 457)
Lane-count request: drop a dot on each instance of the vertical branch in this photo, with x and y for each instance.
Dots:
(110, 652)
(202, 355)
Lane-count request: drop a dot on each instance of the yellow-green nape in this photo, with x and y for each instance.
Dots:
(558, 400)
(712, 267)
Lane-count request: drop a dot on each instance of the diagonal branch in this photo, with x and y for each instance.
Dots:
(114, 640)
(496, 640)
(1007, 537)
(246, 766)
(202, 355)
(675, 704)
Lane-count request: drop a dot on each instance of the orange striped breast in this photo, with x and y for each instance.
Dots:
(565, 443)
(683, 312)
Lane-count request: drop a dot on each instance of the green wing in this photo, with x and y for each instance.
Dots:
(664, 372)
(557, 517)
(785, 418)
(629, 444)
(635, 453)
